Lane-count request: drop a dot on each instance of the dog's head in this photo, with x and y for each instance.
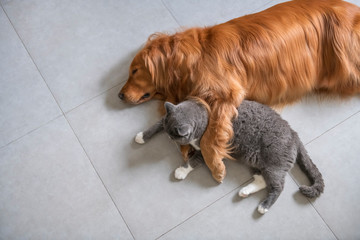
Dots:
(147, 73)
(139, 87)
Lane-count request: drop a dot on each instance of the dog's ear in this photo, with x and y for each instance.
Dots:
(155, 62)
(149, 64)
(169, 107)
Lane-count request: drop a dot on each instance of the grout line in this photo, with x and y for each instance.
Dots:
(37, 68)
(315, 208)
(63, 114)
(97, 173)
(33, 130)
(292, 177)
(167, 8)
(209, 205)
(32, 59)
(52, 94)
(196, 213)
(341, 122)
(41, 75)
(93, 97)
(48, 87)
(323, 220)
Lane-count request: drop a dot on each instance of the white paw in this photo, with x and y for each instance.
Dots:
(181, 172)
(244, 192)
(262, 210)
(139, 138)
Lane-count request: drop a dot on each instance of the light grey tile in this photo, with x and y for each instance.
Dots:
(336, 154)
(206, 13)
(312, 117)
(5, 1)
(140, 177)
(291, 217)
(83, 48)
(49, 190)
(25, 101)
(356, 2)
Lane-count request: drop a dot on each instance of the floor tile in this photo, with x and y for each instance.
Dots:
(291, 217)
(140, 177)
(206, 13)
(4, 1)
(49, 190)
(83, 48)
(336, 154)
(312, 117)
(356, 2)
(25, 101)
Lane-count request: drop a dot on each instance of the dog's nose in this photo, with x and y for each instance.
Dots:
(121, 96)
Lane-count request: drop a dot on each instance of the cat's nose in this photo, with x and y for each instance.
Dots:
(121, 96)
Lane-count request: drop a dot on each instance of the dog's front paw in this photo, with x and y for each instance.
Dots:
(218, 171)
(219, 175)
(140, 138)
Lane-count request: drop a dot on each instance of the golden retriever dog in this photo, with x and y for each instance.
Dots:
(274, 57)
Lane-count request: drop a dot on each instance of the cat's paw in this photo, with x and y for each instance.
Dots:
(140, 138)
(262, 209)
(182, 172)
(244, 192)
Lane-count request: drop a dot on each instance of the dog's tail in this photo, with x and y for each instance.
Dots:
(311, 171)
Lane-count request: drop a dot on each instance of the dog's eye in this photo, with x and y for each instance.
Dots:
(146, 95)
(134, 71)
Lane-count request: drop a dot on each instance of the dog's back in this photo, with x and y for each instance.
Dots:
(292, 49)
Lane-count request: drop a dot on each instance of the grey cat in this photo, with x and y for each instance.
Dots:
(262, 140)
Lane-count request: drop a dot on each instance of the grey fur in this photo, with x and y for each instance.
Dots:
(262, 140)
(156, 128)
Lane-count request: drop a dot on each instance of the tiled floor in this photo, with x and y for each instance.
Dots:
(69, 168)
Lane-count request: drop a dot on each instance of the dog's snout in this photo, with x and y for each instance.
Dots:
(121, 96)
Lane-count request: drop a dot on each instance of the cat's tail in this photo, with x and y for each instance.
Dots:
(311, 171)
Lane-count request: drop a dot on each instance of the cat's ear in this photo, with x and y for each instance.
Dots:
(169, 107)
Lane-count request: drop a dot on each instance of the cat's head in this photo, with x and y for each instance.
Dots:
(184, 122)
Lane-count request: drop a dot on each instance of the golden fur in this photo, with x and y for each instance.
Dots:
(274, 57)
